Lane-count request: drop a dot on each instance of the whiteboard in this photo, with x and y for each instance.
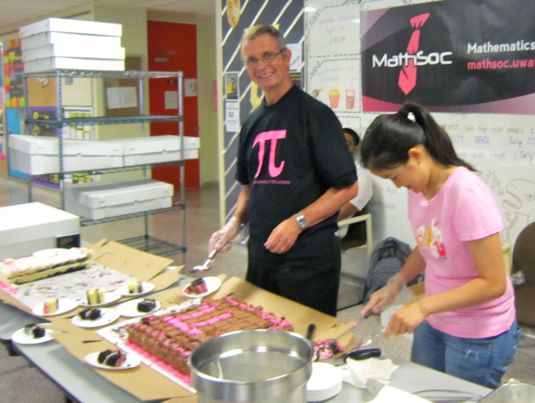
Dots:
(501, 147)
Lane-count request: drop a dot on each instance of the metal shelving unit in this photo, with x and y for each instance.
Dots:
(144, 242)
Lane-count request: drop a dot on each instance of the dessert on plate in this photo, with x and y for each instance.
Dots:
(135, 287)
(50, 305)
(34, 331)
(111, 358)
(95, 296)
(196, 287)
(90, 314)
(146, 305)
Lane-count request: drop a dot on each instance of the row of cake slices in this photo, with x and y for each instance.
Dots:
(52, 305)
(97, 296)
(94, 296)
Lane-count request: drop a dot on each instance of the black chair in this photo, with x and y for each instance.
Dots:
(524, 260)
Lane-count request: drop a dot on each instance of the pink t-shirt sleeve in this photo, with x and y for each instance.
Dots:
(476, 214)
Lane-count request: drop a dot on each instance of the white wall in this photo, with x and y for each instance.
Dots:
(501, 147)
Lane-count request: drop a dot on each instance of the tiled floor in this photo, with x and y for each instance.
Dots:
(202, 218)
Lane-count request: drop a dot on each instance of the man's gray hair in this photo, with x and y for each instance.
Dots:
(256, 30)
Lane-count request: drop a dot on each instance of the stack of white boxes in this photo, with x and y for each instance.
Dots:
(103, 200)
(38, 155)
(57, 43)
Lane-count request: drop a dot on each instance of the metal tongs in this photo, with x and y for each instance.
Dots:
(207, 265)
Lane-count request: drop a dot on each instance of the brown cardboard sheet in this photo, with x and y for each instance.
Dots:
(187, 399)
(300, 315)
(147, 384)
(141, 265)
(143, 382)
(165, 279)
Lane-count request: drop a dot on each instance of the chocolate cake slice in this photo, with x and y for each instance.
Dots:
(34, 331)
(90, 314)
(146, 305)
(111, 358)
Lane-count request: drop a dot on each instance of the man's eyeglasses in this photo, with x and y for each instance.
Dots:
(266, 57)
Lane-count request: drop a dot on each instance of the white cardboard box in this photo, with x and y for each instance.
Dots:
(68, 39)
(97, 201)
(71, 63)
(155, 149)
(26, 228)
(71, 25)
(37, 155)
(73, 50)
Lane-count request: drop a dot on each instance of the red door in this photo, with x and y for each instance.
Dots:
(173, 47)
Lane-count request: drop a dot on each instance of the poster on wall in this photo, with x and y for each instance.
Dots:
(13, 69)
(451, 56)
(232, 85)
(333, 72)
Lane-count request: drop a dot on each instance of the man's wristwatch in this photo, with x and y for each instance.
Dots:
(301, 221)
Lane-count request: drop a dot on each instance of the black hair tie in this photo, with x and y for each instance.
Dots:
(405, 110)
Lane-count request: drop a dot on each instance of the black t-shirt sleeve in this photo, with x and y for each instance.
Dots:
(332, 158)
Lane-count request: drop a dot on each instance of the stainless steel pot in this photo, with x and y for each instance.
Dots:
(511, 392)
(253, 366)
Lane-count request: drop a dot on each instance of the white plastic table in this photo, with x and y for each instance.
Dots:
(82, 383)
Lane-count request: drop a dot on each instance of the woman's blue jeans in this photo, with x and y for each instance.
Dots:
(482, 361)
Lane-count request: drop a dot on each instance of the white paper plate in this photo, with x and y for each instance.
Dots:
(109, 297)
(129, 309)
(212, 285)
(131, 361)
(146, 287)
(109, 315)
(324, 383)
(64, 305)
(21, 337)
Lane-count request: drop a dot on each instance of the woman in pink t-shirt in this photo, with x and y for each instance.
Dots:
(465, 324)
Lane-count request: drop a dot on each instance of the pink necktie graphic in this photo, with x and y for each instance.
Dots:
(407, 75)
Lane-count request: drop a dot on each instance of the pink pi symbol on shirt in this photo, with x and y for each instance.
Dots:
(272, 137)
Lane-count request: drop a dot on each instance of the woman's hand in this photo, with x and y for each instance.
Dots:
(382, 298)
(405, 319)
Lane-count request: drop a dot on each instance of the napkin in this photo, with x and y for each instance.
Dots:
(358, 372)
(389, 394)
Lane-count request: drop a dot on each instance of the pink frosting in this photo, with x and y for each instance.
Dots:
(215, 319)
(183, 377)
(8, 287)
(203, 309)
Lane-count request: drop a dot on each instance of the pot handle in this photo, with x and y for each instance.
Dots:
(310, 331)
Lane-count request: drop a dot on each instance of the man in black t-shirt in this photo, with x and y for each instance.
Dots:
(296, 172)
